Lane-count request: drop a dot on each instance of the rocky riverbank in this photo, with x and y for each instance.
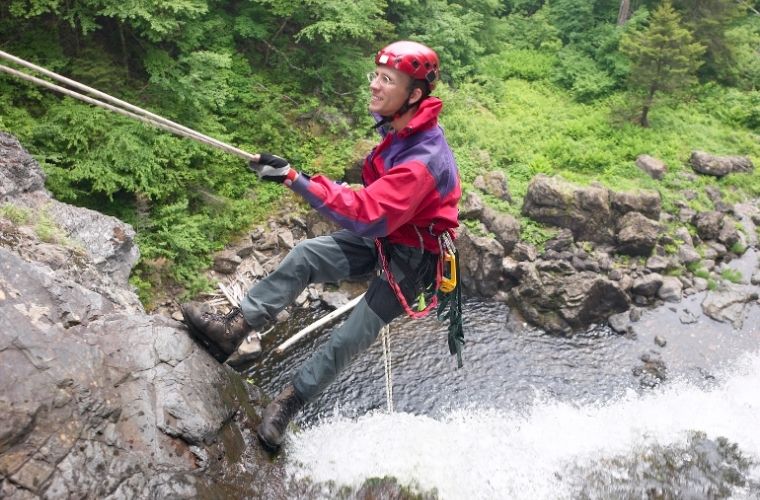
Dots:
(101, 399)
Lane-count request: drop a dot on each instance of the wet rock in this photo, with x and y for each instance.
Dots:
(729, 304)
(620, 322)
(687, 317)
(654, 167)
(718, 166)
(660, 341)
(647, 286)
(561, 302)
(671, 289)
(652, 371)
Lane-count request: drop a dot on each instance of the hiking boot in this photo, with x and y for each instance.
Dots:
(224, 332)
(277, 416)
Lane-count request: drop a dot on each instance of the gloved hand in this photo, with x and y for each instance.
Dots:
(272, 168)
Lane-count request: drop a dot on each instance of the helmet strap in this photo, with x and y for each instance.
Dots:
(399, 112)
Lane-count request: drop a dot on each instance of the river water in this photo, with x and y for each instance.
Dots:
(537, 416)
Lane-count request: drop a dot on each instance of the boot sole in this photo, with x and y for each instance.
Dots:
(245, 355)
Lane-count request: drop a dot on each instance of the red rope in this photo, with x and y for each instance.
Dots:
(397, 289)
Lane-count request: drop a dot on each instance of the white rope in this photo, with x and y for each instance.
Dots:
(118, 106)
(385, 340)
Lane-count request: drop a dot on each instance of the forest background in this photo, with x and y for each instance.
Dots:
(576, 88)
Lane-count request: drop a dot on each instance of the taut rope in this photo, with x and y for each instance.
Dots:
(117, 105)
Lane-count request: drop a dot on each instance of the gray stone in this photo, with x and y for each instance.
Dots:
(647, 286)
(683, 234)
(729, 304)
(660, 341)
(471, 206)
(729, 234)
(285, 239)
(700, 284)
(620, 322)
(647, 203)
(585, 211)
(658, 263)
(654, 167)
(480, 260)
(19, 172)
(637, 234)
(524, 252)
(494, 182)
(688, 255)
(709, 224)
(718, 166)
(505, 227)
(226, 262)
(671, 289)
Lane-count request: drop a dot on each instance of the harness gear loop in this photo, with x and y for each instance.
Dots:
(447, 291)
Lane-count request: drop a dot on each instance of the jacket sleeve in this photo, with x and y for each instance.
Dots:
(376, 210)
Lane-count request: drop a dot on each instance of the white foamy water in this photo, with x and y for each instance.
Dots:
(490, 453)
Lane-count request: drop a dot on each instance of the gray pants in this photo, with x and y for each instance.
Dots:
(333, 258)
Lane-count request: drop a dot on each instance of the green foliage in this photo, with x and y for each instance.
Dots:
(731, 275)
(664, 57)
(526, 64)
(580, 75)
(738, 248)
(19, 216)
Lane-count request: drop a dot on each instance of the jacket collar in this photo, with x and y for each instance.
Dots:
(425, 117)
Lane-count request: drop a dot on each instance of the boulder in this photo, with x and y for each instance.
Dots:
(505, 227)
(471, 206)
(729, 304)
(708, 224)
(494, 182)
(671, 289)
(718, 166)
(585, 211)
(226, 262)
(637, 234)
(19, 172)
(561, 303)
(654, 167)
(647, 203)
(648, 285)
(480, 262)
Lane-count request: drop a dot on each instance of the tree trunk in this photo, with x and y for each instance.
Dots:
(124, 54)
(624, 13)
(647, 105)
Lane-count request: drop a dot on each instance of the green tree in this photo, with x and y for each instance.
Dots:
(709, 21)
(664, 57)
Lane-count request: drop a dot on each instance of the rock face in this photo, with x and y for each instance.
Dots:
(591, 213)
(100, 400)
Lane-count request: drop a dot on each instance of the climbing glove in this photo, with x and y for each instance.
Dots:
(272, 168)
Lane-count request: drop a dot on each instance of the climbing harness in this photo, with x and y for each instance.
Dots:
(117, 105)
(447, 292)
(385, 340)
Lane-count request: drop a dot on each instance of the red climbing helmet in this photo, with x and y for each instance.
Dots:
(416, 60)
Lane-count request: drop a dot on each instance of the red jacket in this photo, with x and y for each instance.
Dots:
(411, 188)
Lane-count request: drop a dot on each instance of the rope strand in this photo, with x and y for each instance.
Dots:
(117, 106)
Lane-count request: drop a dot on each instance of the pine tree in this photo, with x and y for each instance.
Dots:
(664, 57)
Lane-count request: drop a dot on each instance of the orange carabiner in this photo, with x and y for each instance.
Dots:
(449, 280)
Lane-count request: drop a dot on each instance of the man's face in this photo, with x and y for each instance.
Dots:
(389, 90)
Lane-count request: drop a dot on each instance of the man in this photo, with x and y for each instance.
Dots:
(395, 222)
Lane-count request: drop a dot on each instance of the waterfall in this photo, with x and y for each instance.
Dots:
(548, 449)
